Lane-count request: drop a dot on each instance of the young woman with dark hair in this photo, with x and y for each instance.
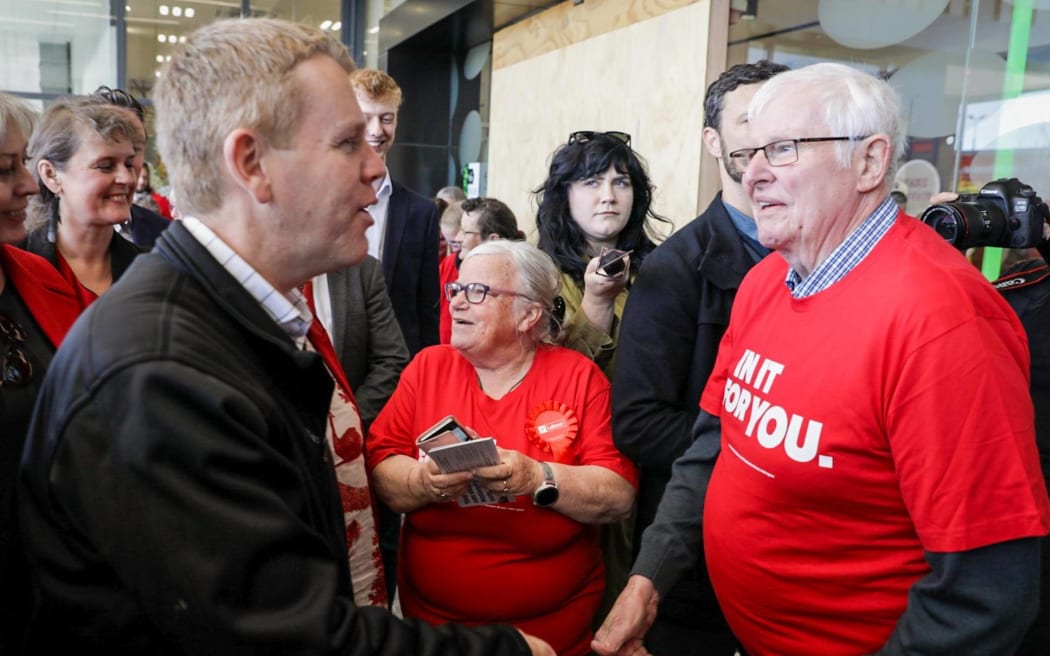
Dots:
(597, 196)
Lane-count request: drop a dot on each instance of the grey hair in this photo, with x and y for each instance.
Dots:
(14, 112)
(855, 104)
(538, 277)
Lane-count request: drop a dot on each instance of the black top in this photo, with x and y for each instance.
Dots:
(16, 407)
(121, 251)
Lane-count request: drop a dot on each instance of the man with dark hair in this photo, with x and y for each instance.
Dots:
(1026, 287)
(674, 318)
(144, 225)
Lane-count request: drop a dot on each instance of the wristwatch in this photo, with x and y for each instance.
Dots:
(546, 495)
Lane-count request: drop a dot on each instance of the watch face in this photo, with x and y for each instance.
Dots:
(546, 496)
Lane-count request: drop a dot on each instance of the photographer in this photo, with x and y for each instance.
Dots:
(1026, 287)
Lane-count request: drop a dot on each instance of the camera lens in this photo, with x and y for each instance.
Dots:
(966, 224)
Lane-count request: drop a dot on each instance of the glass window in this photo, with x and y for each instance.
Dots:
(55, 47)
(324, 14)
(154, 28)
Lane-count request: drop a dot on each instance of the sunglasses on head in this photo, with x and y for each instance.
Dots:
(584, 136)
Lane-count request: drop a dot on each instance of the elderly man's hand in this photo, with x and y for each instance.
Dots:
(624, 627)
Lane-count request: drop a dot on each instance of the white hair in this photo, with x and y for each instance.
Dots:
(855, 104)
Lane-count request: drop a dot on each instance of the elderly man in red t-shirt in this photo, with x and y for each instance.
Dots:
(865, 476)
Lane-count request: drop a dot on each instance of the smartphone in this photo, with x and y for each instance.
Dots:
(612, 263)
(446, 431)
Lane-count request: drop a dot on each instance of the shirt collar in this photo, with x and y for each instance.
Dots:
(747, 229)
(847, 255)
(290, 311)
(386, 187)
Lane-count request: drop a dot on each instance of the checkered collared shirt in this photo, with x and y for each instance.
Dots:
(848, 255)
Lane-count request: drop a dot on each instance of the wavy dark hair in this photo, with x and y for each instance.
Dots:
(560, 236)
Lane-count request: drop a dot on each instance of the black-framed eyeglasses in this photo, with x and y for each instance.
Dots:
(586, 135)
(476, 292)
(17, 369)
(783, 152)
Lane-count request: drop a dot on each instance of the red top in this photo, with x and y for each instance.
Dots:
(448, 271)
(886, 415)
(50, 299)
(508, 563)
(163, 205)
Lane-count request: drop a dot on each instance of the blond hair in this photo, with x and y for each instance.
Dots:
(231, 74)
(377, 85)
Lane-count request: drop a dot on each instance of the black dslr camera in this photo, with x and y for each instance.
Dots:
(1004, 213)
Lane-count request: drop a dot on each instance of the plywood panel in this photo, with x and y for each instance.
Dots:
(647, 79)
(566, 24)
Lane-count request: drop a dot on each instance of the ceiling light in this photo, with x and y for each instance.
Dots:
(373, 30)
(163, 9)
(160, 59)
(325, 25)
(171, 38)
(182, 39)
(336, 26)
(161, 38)
(189, 12)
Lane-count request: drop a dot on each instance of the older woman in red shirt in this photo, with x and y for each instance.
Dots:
(532, 557)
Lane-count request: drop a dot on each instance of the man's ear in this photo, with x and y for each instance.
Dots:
(712, 142)
(873, 162)
(49, 176)
(243, 152)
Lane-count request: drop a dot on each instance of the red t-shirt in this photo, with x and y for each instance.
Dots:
(886, 415)
(448, 271)
(510, 563)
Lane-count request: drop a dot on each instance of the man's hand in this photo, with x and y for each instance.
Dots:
(536, 646)
(634, 612)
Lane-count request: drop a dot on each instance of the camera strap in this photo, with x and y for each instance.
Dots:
(1025, 278)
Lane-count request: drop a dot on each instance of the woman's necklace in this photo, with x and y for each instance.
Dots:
(512, 387)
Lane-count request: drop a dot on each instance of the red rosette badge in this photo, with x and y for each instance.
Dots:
(552, 426)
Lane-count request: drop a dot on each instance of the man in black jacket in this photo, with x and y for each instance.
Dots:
(1026, 287)
(177, 492)
(672, 324)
